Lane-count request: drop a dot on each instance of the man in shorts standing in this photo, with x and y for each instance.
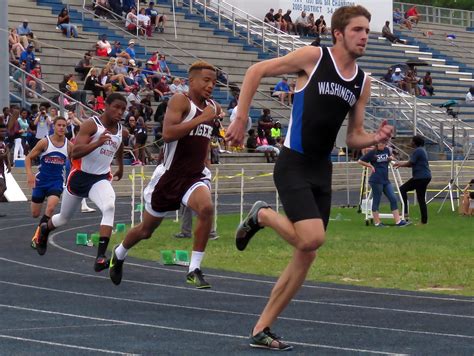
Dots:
(99, 140)
(183, 176)
(329, 86)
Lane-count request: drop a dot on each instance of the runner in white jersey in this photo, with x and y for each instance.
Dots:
(98, 141)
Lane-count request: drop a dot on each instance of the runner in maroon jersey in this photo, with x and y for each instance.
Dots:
(183, 176)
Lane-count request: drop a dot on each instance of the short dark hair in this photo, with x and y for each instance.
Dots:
(115, 96)
(251, 132)
(418, 140)
(343, 15)
(58, 118)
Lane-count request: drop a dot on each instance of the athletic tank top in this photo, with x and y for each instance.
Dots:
(320, 107)
(99, 161)
(52, 162)
(187, 155)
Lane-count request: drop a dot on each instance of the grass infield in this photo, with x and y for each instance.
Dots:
(437, 257)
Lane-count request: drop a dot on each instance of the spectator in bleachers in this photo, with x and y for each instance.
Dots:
(14, 43)
(271, 152)
(141, 136)
(411, 83)
(398, 78)
(161, 89)
(20, 77)
(31, 81)
(387, 33)
(312, 25)
(174, 87)
(160, 111)
(270, 18)
(163, 65)
(279, 22)
(27, 36)
(84, 65)
(158, 21)
(265, 121)
(428, 83)
(102, 8)
(154, 59)
(29, 57)
(117, 51)
(412, 15)
(69, 86)
(131, 20)
(470, 96)
(133, 99)
(64, 24)
(290, 26)
(73, 122)
(103, 47)
(251, 144)
(302, 24)
(41, 122)
(232, 104)
(399, 19)
(131, 49)
(93, 84)
(144, 22)
(388, 76)
(184, 88)
(148, 72)
(119, 67)
(276, 130)
(321, 27)
(282, 91)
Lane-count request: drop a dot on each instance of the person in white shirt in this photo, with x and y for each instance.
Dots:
(144, 22)
(470, 96)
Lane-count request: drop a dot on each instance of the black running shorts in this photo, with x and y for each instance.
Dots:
(304, 186)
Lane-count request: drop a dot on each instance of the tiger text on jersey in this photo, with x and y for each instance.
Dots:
(202, 130)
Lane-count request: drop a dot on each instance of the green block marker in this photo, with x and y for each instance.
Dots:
(120, 227)
(81, 239)
(95, 239)
(181, 258)
(138, 208)
(167, 257)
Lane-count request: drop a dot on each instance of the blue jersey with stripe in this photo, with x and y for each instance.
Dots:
(52, 162)
(320, 107)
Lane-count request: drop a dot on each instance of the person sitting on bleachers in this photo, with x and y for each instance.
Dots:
(276, 130)
(163, 65)
(398, 78)
(251, 144)
(400, 20)
(269, 18)
(117, 51)
(174, 87)
(93, 84)
(103, 47)
(279, 22)
(470, 96)
(29, 57)
(69, 86)
(302, 24)
(183, 86)
(32, 82)
(102, 8)
(84, 65)
(64, 24)
(131, 49)
(412, 15)
(131, 20)
(119, 67)
(290, 26)
(27, 36)
(264, 145)
(388, 76)
(161, 89)
(144, 22)
(157, 21)
(282, 91)
(411, 83)
(428, 84)
(321, 27)
(14, 44)
(387, 33)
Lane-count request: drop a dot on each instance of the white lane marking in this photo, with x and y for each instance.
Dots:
(189, 290)
(255, 280)
(169, 305)
(64, 345)
(193, 331)
(59, 327)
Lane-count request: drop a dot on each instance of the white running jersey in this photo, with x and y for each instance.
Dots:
(99, 161)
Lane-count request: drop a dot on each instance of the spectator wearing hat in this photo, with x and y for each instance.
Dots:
(282, 91)
(157, 21)
(398, 78)
(27, 36)
(29, 57)
(84, 65)
(148, 71)
(131, 49)
(131, 20)
(103, 47)
(117, 51)
(64, 24)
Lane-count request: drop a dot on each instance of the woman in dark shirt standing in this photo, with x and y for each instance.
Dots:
(421, 176)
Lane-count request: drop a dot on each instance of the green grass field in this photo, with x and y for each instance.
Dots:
(437, 257)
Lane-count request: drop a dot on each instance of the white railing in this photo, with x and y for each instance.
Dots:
(440, 15)
(241, 20)
(22, 92)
